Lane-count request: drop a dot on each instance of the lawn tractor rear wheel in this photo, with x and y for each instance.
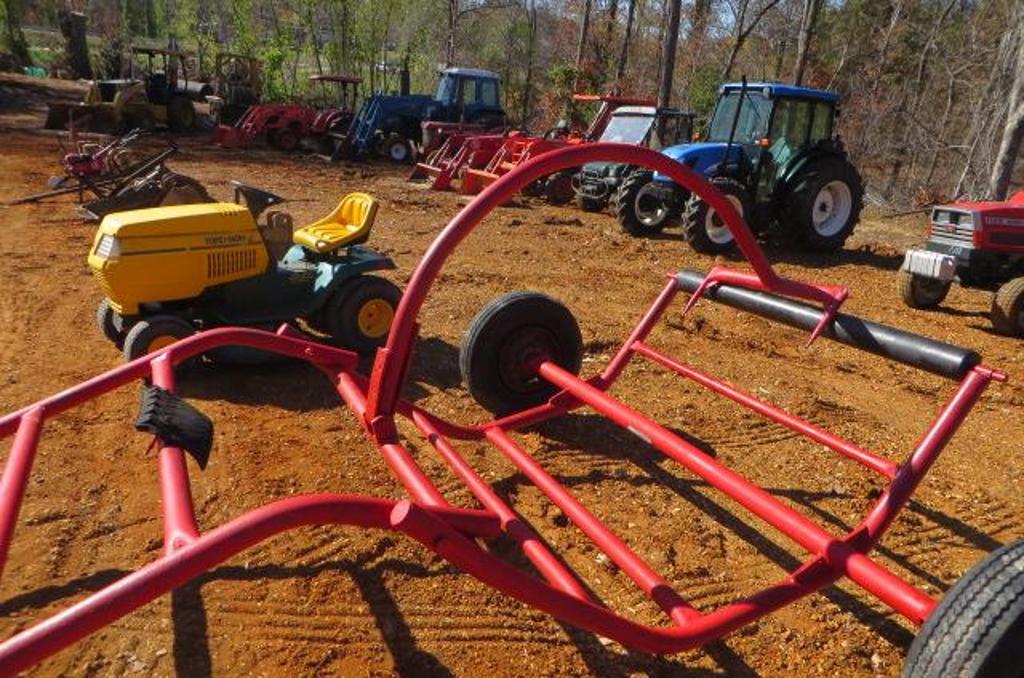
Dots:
(824, 204)
(918, 291)
(1008, 308)
(976, 629)
(397, 148)
(506, 342)
(110, 322)
(153, 334)
(181, 114)
(704, 229)
(639, 209)
(358, 316)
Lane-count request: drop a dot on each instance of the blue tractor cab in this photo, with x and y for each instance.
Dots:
(772, 150)
(390, 125)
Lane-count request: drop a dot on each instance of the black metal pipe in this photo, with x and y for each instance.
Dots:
(905, 347)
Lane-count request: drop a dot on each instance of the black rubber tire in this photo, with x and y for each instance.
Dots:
(144, 333)
(504, 335)
(976, 629)
(920, 292)
(110, 322)
(181, 114)
(285, 138)
(626, 206)
(558, 188)
(589, 204)
(697, 214)
(1008, 308)
(397, 148)
(801, 203)
(340, 316)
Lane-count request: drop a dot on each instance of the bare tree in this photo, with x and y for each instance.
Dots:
(531, 49)
(620, 69)
(668, 53)
(457, 11)
(1013, 130)
(803, 45)
(581, 43)
(742, 30)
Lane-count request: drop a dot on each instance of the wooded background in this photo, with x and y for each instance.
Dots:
(932, 89)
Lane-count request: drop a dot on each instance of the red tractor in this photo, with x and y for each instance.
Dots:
(978, 244)
(282, 125)
(338, 109)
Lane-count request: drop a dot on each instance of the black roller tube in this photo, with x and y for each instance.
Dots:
(910, 349)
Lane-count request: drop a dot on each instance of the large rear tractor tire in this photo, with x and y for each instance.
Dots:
(358, 316)
(917, 291)
(706, 232)
(181, 114)
(505, 343)
(639, 210)
(824, 204)
(1008, 308)
(154, 334)
(976, 630)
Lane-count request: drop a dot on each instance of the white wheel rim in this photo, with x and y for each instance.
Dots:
(716, 229)
(832, 208)
(651, 217)
(398, 152)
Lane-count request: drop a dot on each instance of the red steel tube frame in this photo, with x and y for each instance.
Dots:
(452, 532)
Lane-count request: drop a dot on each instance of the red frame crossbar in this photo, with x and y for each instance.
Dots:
(456, 533)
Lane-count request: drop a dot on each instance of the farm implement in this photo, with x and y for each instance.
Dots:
(517, 149)
(520, 359)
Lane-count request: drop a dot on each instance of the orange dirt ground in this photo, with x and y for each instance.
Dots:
(343, 601)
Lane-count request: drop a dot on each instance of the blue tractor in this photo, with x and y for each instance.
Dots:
(390, 124)
(771, 150)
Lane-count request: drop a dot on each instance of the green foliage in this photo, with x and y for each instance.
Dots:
(703, 90)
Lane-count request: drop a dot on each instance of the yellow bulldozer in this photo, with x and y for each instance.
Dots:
(159, 94)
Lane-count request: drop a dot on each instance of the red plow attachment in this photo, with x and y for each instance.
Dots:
(459, 153)
(460, 535)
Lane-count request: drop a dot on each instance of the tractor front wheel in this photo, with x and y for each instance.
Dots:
(508, 340)
(558, 188)
(286, 138)
(110, 322)
(1008, 308)
(589, 203)
(640, 210)
(397, 148)
(358, 316)
(824, 204)
(977, 626)
(704, 229)
(181, 114)
(154, 334)
(917, 291)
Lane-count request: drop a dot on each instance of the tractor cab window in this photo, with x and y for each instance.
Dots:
(751, 125)
(447, 89)
(821, 126)
(627, 129)
(487, 93)
(673, 129)
(791, 125)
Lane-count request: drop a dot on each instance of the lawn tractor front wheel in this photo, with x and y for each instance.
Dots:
(358, 316)
(153, 334)
(1008, 308)
(506, 342)
(110, 322)
(918, 291)
(976, 629)
(704, 229)
(825, 203)
(640, 209)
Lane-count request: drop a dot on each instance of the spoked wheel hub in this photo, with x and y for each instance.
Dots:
(832, 208)
(521, 355)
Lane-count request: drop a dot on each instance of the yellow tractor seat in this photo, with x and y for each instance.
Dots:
(348, 224)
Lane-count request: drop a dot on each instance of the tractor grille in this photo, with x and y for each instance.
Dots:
(104, 283)
(223, 264)
(952, 225)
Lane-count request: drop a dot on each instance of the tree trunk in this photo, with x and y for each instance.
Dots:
(531, 49)
(15, 38)
(803, 45)
(1013, 132)
(76, 51)
(620, 69)
(453, 25)
(581, 44)
(668, 53)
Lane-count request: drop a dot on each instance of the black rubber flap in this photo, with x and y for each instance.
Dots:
(176, 423)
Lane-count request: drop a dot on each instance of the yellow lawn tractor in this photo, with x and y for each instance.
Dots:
(167, 272)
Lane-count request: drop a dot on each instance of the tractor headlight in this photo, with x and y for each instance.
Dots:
(108, 247)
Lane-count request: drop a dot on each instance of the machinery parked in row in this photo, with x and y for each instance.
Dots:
(771, 149)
